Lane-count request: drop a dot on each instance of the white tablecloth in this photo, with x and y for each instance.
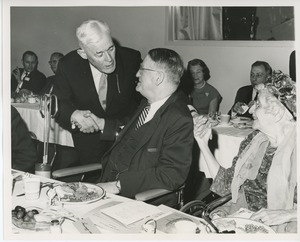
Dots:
(43, 203)
(90, 211)
(32, 117)
(224, 145)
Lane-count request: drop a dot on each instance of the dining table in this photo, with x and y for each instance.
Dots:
(108, 214)
(224, 145)
(31, 114)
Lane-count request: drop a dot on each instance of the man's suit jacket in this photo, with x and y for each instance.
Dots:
(47, 87)
(75, 89)
(23, 150)
(244, 95)
(37, 81)
(163, 156)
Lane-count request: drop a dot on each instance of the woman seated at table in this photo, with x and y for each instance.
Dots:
(205, 98)
(263, 176)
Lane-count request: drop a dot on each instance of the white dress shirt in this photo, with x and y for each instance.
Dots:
(154, 107)
(96, 76)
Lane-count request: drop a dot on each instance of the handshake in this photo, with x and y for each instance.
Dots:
(86, 121)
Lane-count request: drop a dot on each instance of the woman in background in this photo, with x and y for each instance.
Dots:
(205, 98)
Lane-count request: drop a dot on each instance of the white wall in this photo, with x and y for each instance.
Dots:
(48, 29)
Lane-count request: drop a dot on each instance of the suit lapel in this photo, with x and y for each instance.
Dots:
(152, 125)
(114, 81)
(155, 122)
(111, 88)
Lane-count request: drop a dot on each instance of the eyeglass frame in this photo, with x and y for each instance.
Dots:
(258, 75)
(53, 62)
(147, 69)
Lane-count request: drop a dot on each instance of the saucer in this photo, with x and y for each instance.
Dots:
(224, 124)
(240, 120)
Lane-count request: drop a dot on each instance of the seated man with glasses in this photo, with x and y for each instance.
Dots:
(260, 71)
(154, 149)
(53, 62)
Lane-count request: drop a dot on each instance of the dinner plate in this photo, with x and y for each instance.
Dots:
(242, 225)
(94, 193)
(184, 225)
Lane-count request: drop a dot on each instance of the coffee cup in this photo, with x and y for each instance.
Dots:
(32, 188)
(224, 118)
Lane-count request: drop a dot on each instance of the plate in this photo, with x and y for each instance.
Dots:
(247, 125)
(34, 224)
(224, 125)
(183, 225)
(242, 225)
(240, 120)
(76, 193)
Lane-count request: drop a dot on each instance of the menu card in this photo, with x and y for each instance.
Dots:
(110, 216)
(131, 212)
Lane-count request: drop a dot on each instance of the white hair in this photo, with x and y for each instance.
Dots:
(90, 30)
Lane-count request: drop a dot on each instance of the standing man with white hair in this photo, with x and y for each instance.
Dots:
(99, 79)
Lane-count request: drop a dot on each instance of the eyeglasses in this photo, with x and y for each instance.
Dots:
(258, 75)
(52, 62)
(146, 69)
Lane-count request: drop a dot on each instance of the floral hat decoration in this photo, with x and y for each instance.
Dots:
(283, 88)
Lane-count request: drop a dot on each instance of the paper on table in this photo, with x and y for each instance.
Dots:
(111, 225)
(86, 226)
(130, 212)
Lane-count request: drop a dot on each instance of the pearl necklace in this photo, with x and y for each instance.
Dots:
(201, 86)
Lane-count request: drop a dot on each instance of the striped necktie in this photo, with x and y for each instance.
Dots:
(142, 117)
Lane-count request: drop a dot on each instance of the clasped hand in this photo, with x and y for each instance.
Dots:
(86, 121)
(202, 129)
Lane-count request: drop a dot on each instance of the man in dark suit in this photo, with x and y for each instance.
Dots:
(156, 153)
(260, 71)
(53, 62)
(23, 151)
(28, 77)
(98, 78)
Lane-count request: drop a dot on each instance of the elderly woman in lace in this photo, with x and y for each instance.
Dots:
(263, 175)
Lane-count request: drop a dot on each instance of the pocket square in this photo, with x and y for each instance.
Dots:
(152, 149)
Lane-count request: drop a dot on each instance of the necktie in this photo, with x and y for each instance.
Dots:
(256, 96)
(142, 117)
(102, 91)
(26, 75)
